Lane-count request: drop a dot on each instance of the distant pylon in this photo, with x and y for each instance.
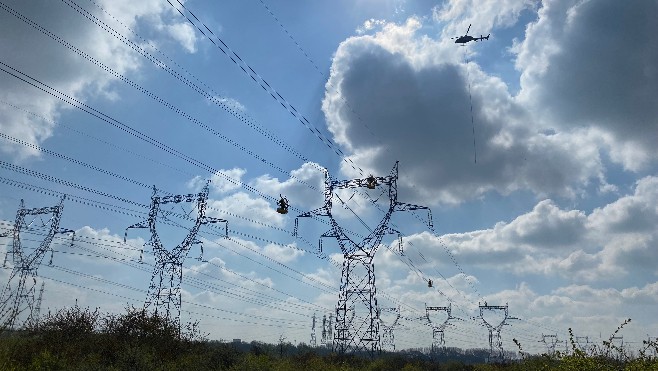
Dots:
(323, 336)
(36, 313)
(330, 329)
(388, 335)
(438, 328)
(357, 287)
(496, 351)
(164, 294)
(652, 343)
(617, 344)
(550, 344)
(18, 295)
(313, 341)
(583, 343)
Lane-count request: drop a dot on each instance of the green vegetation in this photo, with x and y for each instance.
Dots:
(82, 339)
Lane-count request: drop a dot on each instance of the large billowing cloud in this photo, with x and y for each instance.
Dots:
(482, 15)
(594, 64)
(258, 212)
(404, 97)
(33, 53)
(612, 242)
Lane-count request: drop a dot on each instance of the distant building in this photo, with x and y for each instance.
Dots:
(237, 341)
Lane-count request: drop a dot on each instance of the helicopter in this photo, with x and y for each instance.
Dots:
(466, 38)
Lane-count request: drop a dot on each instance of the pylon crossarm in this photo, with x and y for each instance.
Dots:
(402, 206)
(333, 233)
(212, 220)
(142, 224)
(321, 211)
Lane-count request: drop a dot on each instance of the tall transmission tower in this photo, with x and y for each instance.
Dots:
(323, 337)
(496, 351)
(617, 344)
(164, 293)
(357, 287)
(583, 343)
(438, 329)
(551, 343)
(652, 343)
(388, 337)
(330, 329)
(18, 295)
(313, 340)
(36, 313)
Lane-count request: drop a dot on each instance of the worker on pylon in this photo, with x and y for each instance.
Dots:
(283, 205)
(371, 182)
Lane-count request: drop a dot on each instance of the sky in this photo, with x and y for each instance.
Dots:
(533, 149)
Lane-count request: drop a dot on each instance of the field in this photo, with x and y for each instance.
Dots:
(84, 339)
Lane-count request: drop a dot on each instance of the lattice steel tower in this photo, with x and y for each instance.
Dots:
(18, 295)
(313, 339)
(583, 343)
(164, 293)
(550, 341)
(495, 341)
(327, 329)
(438, 329)
(357, 289)
(388, 336)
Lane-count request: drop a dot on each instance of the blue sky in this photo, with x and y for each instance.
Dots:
(557, 216)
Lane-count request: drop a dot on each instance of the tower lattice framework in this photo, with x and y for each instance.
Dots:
(388, 334)
(496, 351)
(438, 329)
(550, 341)
(164, 293)
(357, 289)
(313, 338)
(327, 329)
(18, 297)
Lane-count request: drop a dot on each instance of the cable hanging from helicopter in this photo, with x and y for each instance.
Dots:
(463, 40)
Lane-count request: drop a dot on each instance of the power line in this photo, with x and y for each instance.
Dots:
(215, 97)
(149, 93)
(236, 55)
(136, 264)
(262, 83)
(268, 258)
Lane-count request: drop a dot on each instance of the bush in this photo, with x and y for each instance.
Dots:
(83, 339)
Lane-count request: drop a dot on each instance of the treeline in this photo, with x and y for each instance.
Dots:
(84, 339)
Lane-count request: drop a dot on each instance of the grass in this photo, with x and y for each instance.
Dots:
(84, 339)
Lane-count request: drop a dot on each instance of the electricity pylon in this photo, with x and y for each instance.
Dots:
(327, 332)
(583, 343)
(652, 343)
(313, 341)
(164, 293)
(357, 287)
(438, 329)
(18, 295)
(617, 344)
(36, 313)
(495, 341)
(388, 337)
(550, 344)
(323, 337)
